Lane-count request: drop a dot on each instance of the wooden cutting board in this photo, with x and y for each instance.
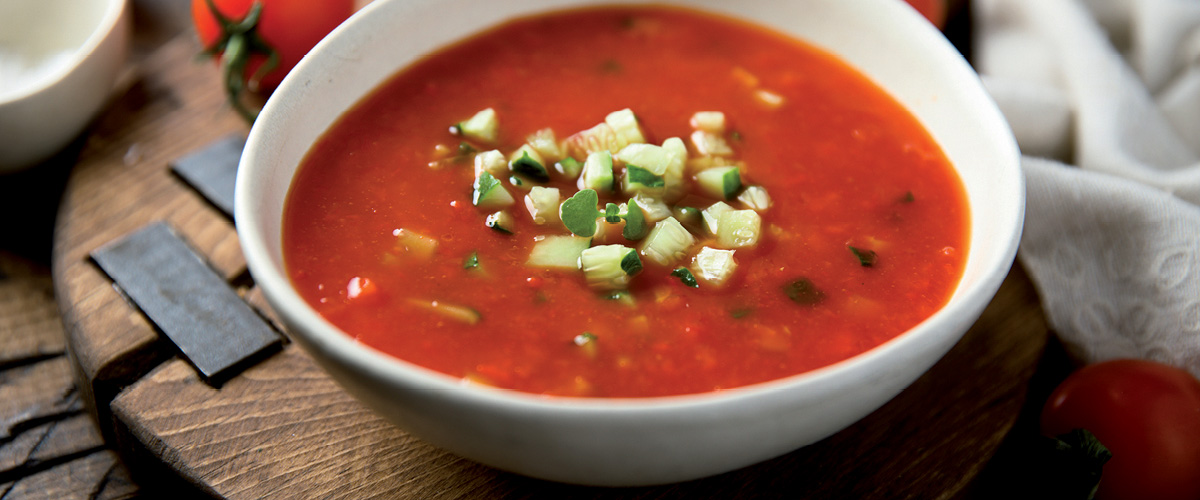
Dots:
(283, 429)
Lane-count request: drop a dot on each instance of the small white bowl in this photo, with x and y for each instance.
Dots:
(653, 440)
(59, 60)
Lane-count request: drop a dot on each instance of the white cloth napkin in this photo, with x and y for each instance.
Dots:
(1104, 99)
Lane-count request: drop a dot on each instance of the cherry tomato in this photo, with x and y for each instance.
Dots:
(259, 41)
(1148, 416)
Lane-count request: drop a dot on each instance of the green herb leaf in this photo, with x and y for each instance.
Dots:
(685, 276)
(803, 291)
(529, 167)
(612, 213)
(907, 198)
(741, 312)
(483, 186)
(579, 213)
(639, 175)
(635, 222)
(631, 264)
(865, 257)
(472, 261)
(584, 338)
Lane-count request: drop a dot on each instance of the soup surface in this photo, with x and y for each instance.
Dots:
(851, 225)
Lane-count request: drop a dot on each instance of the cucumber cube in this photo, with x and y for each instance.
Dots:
(738, 229)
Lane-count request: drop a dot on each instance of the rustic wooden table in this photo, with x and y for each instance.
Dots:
(282, 429)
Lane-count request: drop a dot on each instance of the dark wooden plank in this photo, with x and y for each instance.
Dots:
(30, 327)
(98, 476)
(194, 307)
(49, 444)
(36, 392)
(213, 169)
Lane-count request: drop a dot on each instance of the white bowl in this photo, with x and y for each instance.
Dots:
(59, 60)
(654, 440)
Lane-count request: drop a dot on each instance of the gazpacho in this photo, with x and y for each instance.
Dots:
(626, 202)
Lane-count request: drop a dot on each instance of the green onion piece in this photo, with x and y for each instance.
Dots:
(865, 257)
(584, 338)
(685, 276)
(579, 213)
(803, 291)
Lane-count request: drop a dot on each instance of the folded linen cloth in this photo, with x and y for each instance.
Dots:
(1103, 97)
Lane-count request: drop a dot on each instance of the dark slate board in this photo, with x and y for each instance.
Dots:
(212, 326)
(213, 170)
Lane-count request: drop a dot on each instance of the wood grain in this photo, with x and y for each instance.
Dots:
(29, 325)
(283, 429)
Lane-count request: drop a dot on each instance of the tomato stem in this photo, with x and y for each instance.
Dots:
(237, 43)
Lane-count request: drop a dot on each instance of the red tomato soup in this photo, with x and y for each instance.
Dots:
(811, 218)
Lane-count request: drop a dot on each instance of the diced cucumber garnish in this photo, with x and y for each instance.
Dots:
(653, 158)
(720, 182)
(636, 225)
(490, 193)
(501, 221)
(690, 217)
(714, 266)
(597, 172)
(569, 167)
(460, 313)
(609, 266)
(625, 125)
(654, 208)
(414, 244)
(756, 198)
(483, 126)
(709, 121)
(546, 144)
(542, 203)
(492, 162)
(712, 216)
(598, 138)
(558, 251)
(739, 228)
(710, 144)
(527, 162)
(668, 242)
(673, 176)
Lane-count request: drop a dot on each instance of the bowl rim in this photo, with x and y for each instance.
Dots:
(113, 12)
(319, 333)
